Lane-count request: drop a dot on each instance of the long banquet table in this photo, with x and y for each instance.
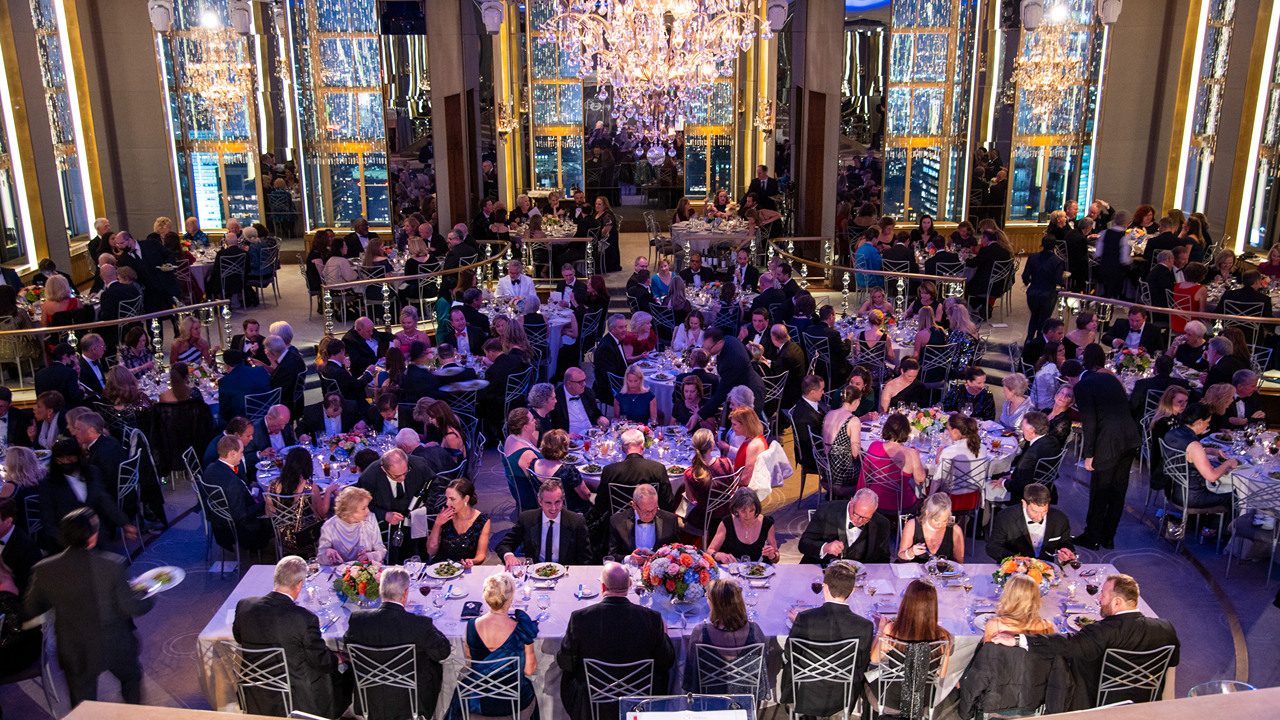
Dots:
(788, 587)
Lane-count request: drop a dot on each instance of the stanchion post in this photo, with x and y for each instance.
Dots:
(844, 296)
(156, 339)
(328, 313)
(386, 305)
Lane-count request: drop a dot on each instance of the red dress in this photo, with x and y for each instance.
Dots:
(741, 460)
(641, 346)
(890, 500)
(1183, 296)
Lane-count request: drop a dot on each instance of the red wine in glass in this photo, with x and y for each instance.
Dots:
(1075, 564)
(816, 587)
(425, 590)
(1092, 589)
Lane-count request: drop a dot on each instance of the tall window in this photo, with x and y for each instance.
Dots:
(11, 245)
(708, 148)
(931, 66)
(557, 90)
(1201, 134)
(1262, 187)
(67, 147)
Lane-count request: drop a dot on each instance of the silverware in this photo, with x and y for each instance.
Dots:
(329, 624)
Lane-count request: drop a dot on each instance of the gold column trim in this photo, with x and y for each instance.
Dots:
(1183, 97)
(22, 131)
(85, 132)
(1241, 196)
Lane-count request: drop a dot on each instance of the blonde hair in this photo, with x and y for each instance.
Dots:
(1218, 397)
(935, 506)
(185, 326)
(57, 289)
(959, 316)
(1020, 603)
(22, 468)
(161, 223)
(417, 247)
(1015, 383)
(635, 369)
(499, 588)
(348, 500)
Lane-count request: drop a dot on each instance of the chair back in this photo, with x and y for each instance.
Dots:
(730, 670)
(1233, 307)
(114, 419)
(517, 387)
(1046, 471)
(880, 472)
(1135, 675)
(620, 496)
(822, 662)
(874, 360)
(257, 404)
(820, 456)
(1260, 497)
(233, 265)
(216, 499)
(727, 319)
(127, 476)
(971, 477)
(1175, 466)
(949, 269)
(537, 334)
(265, 671)
(192, 462)
(489, 680)
(329, 385)
(387, 671)
(616, 382)
(894, 670)
(31, 506)
(607, 683)
(935, 364)
(289, 513)
(131, 308)
(664, 321)
(591, 326)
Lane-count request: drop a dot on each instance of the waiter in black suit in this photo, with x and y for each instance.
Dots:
(832, 621)
(1123, 627)
(388, 625)
(94, 608)
(609, 358)
(576, 409)
(14, 422)
(395, 482)
(550, 526)
(1111, 441)
(847, 531)
(635, 532)
(17, 549)
(1031, 529)
(735, 369)
(276, 621)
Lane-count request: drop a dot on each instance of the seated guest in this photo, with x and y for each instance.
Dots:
(895, 467)
(419, 381)
(190, 346)
(786, 356)
(180, 389)
(292, 486)
(364, 345)
(442, 428)
(516, 285)
(106, 454)
(497, 635)
(700, 479)
(351, 535)
(20, 552)
(555, 447)
(61, 375)
(133, 353)
(1123, 627)
(756, 331)
(1225, 358)
(1217, 398)
(271, 435)
(92, 369)
(286, 367)
(836, 347)
(748, 532)
(1060, 414)
(542, 402)
(391, 624)
(566, 530)
(698, 361)
(335, 371)
(634, 469)
(636, 531)
(50, 422)
(808, 418)
(745, 423)
(771, 294)
(850, 530)
(1002, 679)
(331, 416)
(906, 389)
(687, 402)
(932, 534)
(1016, 403)
(520, 451)
(1040, 445)
(641, 340)
(277, 621)
(1158, 383)
(576, 410)
(1193, 424)
(249, 342)
(916, 622)
(384, 417)
(1019, 610)
(22, 480)
(1032, 529)
(689, 333)
(237, 381)
(1251, 299)
(591, 634)
(830, 622)
(1133, 333)
(507, 357)
(725, 629)
(409, 332)
(972, 398)
(639, 294)
(957, 458)
(695, 273)
(238, 427)
(461, 531)
(466, 339)
(1247, 406)
(860, 380)
(253, 530)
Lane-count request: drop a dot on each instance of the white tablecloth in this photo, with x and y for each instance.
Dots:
(789, 587)
(697, 240)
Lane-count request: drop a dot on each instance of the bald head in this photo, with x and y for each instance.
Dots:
(779, 334)
(277, 417)
(108, 273)
(575, 374)
(615, 579)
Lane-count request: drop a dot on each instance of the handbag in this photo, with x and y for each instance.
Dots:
(1173, 529)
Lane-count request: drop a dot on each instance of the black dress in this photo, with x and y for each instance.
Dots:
(735, 547)
(457, 547)
(19, 649)
(946, 550)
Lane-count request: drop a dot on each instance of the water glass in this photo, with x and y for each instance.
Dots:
(544, 604)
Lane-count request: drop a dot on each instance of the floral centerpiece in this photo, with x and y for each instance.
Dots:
(550, 221)
(1135, 359)
(346, 442)
(33, 293)
(648, 432)
(681, 572)
(358, 583)
(927, 419)
(1038, 570)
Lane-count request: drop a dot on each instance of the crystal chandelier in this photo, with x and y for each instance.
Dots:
(220, 72)
(660, 57)
(1046, 70)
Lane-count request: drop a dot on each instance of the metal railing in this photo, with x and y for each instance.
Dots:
(1102, 306)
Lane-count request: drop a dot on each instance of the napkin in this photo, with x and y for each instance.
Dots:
(553, 297)
(1075, 607)
(906, 570)
(419, 523)
(984, 606)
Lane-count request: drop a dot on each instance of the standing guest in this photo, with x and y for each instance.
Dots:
(636, 402)
(609, 359)
(833, 621)
(635, 532)
(275, 620)
(1115, 254)
(850, 530)
(1043, 276)
(548, 533)
(1123, 627)
(1031, 529)
(726, 629)
(933, 534)
(461, 531)
(94, 607)
(105, 454)
(351, 535)
(972, 398)
(1040, 445)
(1111, 440)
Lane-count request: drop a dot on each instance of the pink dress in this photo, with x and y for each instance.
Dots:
(890, 500)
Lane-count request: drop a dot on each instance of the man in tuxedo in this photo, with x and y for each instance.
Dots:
(1160, 280)
(93, 372)
(160, 287)
(1250, 300)
(418, 380)
(698, 361)
(1133, 333)
(391, 624)
(94, 606)
(639, 296)
(1053, 330)
(335, 371)
(1031, 528)
(330, 416)
(757, 331)
(1165, 240)
(271, 435)
(837, 347)
(1040, 446)
(745, 275)
(764, 187)
(14, 422)
(609, 358)
(472, 302)
(239, 427)
(1111, 441)
(101, 242)
(1247, 407)
(789, 286)
(830, 622)
(253, 530)
(634, 469)
(808, 415)
(250, 341)
(898, 253)
(106, 454)
(358, 239)
(735, 370)
(399, 483)
(17, 549)
(789, 358)
(459, 254)
(1123, 627)
(384, 417)
(238, 381)
(944, 257)
(771, 296)
(1223, 363)
(576, 410)
(114, 293)
(592, 633)
(548, 534)
(850, 530)
(287, 370)
(275, 620)
(468, 340)
(450, 367)
(635, 532)
(491, 400)
(480, 224)
(1157, 383)
(571, 286)
(365, 344)
(641, 265)
(696, 273)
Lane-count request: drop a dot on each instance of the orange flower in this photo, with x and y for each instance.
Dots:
(1035, 575)
(1009, 566)
(671, 586)
(686, 561)
(704, 577)
(360, 588)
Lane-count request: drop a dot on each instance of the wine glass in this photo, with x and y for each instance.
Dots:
(438, 601)
(966, 582)
(751, 599)
(871, 589)
(517, 571)
(816, 587)
(544, 603)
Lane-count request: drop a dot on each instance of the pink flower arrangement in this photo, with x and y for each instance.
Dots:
(679, 571)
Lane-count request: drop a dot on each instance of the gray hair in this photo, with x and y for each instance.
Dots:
(615, 319)
(408, 438)
(282, 330)
(275, 346)
(539, 394)
(639, 318)
(742, 396)
(97, 224)
(632, 437)
(290, 572)
(643, 491)
(90, 341)
(394, 454)
(868, 495)
(1164, 256)
(395, 583)
(1197, 328)
(95, 421)
(250, 234)
(532, 304)
(1241, 377)
(1221, 346)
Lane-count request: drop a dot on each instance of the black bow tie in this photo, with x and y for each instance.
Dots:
(645, 523)
(1035, 522)
(576, 398)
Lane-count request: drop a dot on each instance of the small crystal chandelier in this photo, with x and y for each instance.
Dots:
(220, 71)
(660, 57)
(1044, 73)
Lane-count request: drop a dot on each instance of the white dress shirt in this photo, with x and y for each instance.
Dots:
(277, 441)
(1036, 531)
(78, 487)
(4, 429)
(852, 532)
(373, 344)
(646, 534)
(555, 537)
(463, 344)
(522, 287)
(578, 421)
(1134, 338)
(332, 426)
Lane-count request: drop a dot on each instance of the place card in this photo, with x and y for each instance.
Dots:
(906, 570)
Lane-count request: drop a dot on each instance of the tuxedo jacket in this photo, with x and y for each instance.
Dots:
(245, 511)
(351, 387)
(750, 276)
(829, 523)
(57, 499)
(18, 420)
(274, 621)
(419, 482)
(419, 382)
(475, 318)
(1085, 649)
(807, 421)
(388, 625)
(259, 354)
(789, 359)
(1159, 383)
(262, 439)
(63, 379)
(354, 249)
(608, 359)
(1246, 295)
(475, 337)
(1110, 433)
(107, 454)
(526, 538)
(1221, 372)
(1009, 535)
(1150, 339)
(87, 377)
(1160, 280)
(1024, 466)
(709, 380)
(829, 622)
(362, 356)
(560, 413)
(21, 554)
(579, 290)
(631, 471)
(768, 300)
(290, 367)
(622, 531)
(313, 418)
(593, 632)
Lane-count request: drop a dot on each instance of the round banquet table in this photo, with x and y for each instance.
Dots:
(903, 335)
(660, 372)
(697, 235)
(1002, 448)
(556, 317)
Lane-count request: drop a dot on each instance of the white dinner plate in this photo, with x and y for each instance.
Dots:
(756, 570)
(980, 620)
(1073, 621)
(159, 579)
(556, 571)
(435, 570)
(954, 569)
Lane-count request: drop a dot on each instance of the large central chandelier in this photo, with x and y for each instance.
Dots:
(219, 69)
(660, 57)
(1047, 68)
